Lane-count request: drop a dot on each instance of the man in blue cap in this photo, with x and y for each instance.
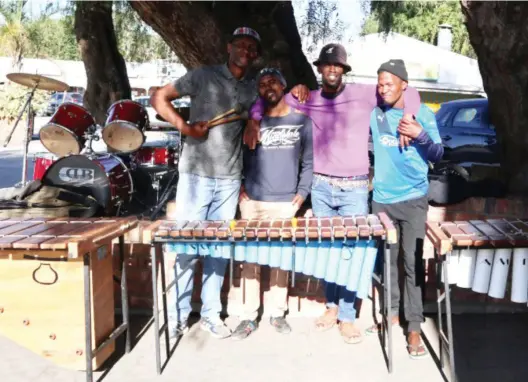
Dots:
(277, 180)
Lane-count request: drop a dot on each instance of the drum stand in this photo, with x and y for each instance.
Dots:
(90, 136)
(29, 132)
(161, 201)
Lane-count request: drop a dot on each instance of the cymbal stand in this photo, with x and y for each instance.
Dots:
(29, 131)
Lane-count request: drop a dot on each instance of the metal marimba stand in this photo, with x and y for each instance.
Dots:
(124, 328)
(384, 281)
(442, 250)
(149, 237)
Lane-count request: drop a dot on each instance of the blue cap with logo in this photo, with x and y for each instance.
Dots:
(271, 72)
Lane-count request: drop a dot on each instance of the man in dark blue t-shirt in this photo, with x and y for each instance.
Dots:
(277, 180)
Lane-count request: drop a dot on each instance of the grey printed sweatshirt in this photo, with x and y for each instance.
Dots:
(282, 164)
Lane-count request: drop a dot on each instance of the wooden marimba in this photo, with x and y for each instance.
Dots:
(56, 288)
(478, 255)
(341, 250)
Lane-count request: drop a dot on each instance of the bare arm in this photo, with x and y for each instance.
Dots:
(161, 102)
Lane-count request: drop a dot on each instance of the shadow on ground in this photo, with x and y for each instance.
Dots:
(490, 347)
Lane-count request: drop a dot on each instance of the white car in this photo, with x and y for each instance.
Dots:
(182, 103)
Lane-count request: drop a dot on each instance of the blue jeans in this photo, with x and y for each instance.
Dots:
(330, 200)
(202, 198)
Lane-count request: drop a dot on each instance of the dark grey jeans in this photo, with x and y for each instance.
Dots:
(409, 219)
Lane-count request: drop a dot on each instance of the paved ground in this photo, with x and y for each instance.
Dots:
(11, 168)
(490, 348)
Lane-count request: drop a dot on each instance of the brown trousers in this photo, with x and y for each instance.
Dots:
(250, 277)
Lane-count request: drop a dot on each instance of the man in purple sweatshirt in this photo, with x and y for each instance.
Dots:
(341, 120)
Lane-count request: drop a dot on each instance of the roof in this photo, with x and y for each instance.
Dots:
(429, 66)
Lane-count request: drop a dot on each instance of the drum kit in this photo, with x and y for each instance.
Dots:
(108, 177)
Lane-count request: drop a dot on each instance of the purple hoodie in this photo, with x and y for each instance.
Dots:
(341, 126)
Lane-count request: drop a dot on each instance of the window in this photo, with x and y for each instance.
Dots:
(144, 101)
(443, 116)
(469, 117)
(76, 97)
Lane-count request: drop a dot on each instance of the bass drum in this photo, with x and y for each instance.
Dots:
(104, 177)
(41, 163)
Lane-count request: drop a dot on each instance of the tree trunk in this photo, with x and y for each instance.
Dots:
(106, 73)
(205, 42)
(498, 33)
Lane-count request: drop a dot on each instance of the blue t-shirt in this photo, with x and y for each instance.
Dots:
(400, 174)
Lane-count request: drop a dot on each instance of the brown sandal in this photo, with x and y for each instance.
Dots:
(327, 321)
(350, 333)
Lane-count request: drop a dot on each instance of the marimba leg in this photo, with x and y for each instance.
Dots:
(155, 306)
(124, 295)
(449, 327)
(442, 273)
(88, 318)
(165, 326)
(387, 301)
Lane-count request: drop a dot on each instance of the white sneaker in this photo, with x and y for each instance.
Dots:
(216, 328)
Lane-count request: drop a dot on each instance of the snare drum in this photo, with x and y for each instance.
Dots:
(41, 164)
(64, 133)
(105, 177)
(125, 126)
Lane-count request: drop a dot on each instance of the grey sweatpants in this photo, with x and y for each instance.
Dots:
(409, 219)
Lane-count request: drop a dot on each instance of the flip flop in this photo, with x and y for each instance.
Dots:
(353, 336)
(417, 351)
(325, 322)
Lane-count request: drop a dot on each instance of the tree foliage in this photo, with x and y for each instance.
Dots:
(320, 24)
(420, 20)
(137, 42)
(43, 36)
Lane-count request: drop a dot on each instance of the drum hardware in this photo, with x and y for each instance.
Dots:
(33, 81)
(90, 135)
(161, 201)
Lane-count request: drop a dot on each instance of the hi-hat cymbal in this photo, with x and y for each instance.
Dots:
(41, 82)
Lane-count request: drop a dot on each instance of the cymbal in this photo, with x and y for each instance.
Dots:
(41, 82)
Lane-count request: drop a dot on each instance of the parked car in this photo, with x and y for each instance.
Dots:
(465, 122)
(181, 104)
(466, 131)
(58, 98)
